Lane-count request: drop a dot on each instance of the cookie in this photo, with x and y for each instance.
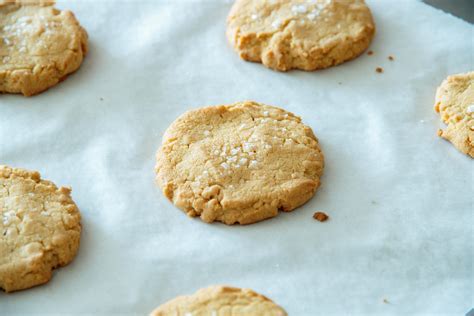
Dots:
(455, 104)
(300, 34)
(39, 46)
(220, 301)
(40, 228)
(238, 163)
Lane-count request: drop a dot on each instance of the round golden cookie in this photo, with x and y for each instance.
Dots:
(40, 228)
(238, 163)
(39, 46)
(301, 34)
(455, 104)
(220, 301)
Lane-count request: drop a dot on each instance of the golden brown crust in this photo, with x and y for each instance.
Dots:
(239, 163)
(285, 35)
(39, 46)
(220, 300)
(455, 103)
(27, 2)
(40, 228)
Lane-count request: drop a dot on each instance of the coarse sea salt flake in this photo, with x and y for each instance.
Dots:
(225, 165)
(7, 216)
(276, 24)
(312, 16)
(248, 147)
(253, 164)
(470, 109)
(300, 8)
(234, 151)
(24, 19)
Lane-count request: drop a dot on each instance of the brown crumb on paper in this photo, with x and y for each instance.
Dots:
(320, 216)
(370, 53)
(391, 58)
(379, 70)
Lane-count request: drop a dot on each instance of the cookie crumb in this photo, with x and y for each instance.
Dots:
(320, 216)
(386, 301)
(379, 70)
(370, 53)
(391, 58)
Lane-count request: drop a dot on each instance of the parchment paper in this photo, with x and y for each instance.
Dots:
(400, 199)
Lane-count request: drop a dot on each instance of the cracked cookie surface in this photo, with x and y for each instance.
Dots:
(300, 34)
(39, 46)
(239, 163)
(219, 301)
(455, 104)
(40, 228)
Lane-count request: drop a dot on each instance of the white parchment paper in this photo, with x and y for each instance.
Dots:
(400, 198)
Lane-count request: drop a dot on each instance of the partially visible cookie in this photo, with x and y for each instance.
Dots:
(301, 34)
(220, 301)
(239, 163)
(40, 228)
(455, 104)
(39, 46)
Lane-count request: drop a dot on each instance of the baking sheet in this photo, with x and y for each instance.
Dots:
(400, 198)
